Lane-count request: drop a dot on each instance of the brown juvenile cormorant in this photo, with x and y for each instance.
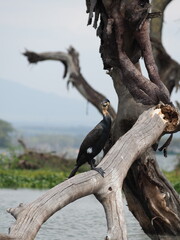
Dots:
(94, 142)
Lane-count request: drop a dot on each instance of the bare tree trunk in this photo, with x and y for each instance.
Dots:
(124, 34)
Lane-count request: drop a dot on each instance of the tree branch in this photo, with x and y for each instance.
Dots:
(143, 39)
(141, 89)
(169, 69)
(72, 68)
(116, 164)
(157, 23)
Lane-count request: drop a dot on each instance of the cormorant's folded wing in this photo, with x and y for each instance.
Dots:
(92, 137)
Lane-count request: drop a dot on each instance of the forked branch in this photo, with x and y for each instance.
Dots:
(143, 90)
(108, 190)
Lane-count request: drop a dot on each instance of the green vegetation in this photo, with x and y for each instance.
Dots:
(5, 130)
(174, 178)
(49, 170)
(33, 169)
(15, 178)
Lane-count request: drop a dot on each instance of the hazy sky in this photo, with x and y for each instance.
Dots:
(54, 25)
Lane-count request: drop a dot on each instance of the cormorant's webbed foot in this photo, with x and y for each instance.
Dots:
(99, 170)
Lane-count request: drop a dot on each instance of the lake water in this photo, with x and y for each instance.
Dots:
(82, 219)
(167, 164)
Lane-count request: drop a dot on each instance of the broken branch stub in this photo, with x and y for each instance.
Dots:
(172, 116)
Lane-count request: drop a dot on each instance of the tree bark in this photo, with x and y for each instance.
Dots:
(108, 190)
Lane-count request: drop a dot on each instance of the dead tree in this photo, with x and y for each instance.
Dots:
(145, 112)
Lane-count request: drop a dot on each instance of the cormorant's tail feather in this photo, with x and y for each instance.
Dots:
(73, 172)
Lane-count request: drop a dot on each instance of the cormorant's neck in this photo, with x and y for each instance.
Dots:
(105, 113)
(106, 118)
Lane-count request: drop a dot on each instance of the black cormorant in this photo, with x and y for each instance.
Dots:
(94, 142)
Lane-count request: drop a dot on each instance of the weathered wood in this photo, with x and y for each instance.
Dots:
(116, 164)
(72, 69)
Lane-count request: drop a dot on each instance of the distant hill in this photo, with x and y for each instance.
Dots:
(29, 130)
(35, 112)
(20, 104)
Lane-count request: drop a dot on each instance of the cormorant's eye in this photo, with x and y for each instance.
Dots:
(105, 103)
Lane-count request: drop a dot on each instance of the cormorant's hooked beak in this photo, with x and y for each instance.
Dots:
(105, 103)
